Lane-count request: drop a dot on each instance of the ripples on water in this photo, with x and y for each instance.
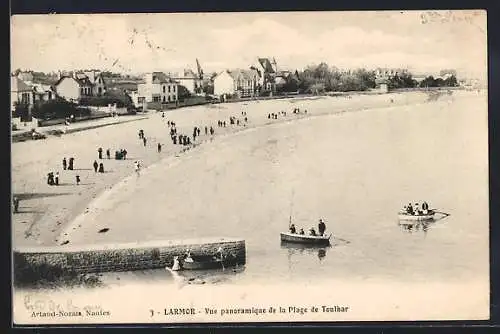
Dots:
(355, 170)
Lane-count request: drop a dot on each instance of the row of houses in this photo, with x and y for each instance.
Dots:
(26, 90)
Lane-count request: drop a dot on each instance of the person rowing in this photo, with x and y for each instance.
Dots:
(312, 232)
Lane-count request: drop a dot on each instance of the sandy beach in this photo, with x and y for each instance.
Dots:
(46, 212)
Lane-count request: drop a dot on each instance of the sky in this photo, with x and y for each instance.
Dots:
(136, 43)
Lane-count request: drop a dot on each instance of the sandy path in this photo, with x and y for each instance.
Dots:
(46, 211)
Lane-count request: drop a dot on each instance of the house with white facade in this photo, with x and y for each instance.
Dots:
(20, 92)
(157, 87)
(43, 93)
(190, 80)
(74, 88)
(97, 81)
(239, 82)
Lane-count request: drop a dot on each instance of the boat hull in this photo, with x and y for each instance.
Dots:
(209, 262)
(407, 217)
(305, 239)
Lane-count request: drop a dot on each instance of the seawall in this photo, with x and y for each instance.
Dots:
(38, 263)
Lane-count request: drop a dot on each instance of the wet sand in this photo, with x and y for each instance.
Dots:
(45, 212)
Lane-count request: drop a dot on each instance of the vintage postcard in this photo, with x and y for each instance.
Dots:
(250, 167)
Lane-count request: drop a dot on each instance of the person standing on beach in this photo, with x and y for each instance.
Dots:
(99, 150)
(108, 153)
(96, 165)
(57, 179)
(159, 148)
(77, 180)
(212, 131)
(144, 140)
(64, 163)
(198, 131)
(71, 162)
(206, 130)
(15, 201)
(101, 168)
(137, 167)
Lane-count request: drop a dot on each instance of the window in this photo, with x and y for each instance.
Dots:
(169, 89)
(156, 99)
(174, 89)
(100, 90)
(174, 98)
(164, 98)
(25, 98)
(164, 89)
(169, 98)
(141, 99)
(82, 91)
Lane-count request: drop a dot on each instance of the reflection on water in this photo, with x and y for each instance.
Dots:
(415, 227)
(421, 226)
(305, 250)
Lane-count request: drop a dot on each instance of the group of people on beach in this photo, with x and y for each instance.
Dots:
(283, 113)
(53, 178)
(98, 167)
(416, 209)
(312, 231)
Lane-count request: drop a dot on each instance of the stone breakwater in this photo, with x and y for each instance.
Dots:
(32, 264)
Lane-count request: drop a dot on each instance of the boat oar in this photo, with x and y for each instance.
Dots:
(441, 213)
(346, 241)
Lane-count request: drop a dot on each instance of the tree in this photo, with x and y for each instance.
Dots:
(428, 82)
(57, 109)
(451, 81)
(182, 93)
(21, 110)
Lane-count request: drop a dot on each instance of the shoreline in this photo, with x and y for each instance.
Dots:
(57, 220)
(99, 202)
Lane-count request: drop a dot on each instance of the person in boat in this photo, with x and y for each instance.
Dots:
(321, 227)
(425, 208)
(187, 256)
(292, 229)
(409, 209)
(417, 209)
(301, 232)
(312, 232)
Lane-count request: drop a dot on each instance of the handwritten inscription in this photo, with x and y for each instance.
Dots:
(446, 17)
(41, 307)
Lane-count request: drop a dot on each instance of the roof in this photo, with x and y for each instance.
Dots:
(266, 64)
(41, 88)
(81, 82)
(240, 74)
(160, 77)
(379, 81)
(190, 74)
(17, 85)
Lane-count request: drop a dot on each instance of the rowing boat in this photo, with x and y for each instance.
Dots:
(305, 239)
(198, 262)
(407, 216)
